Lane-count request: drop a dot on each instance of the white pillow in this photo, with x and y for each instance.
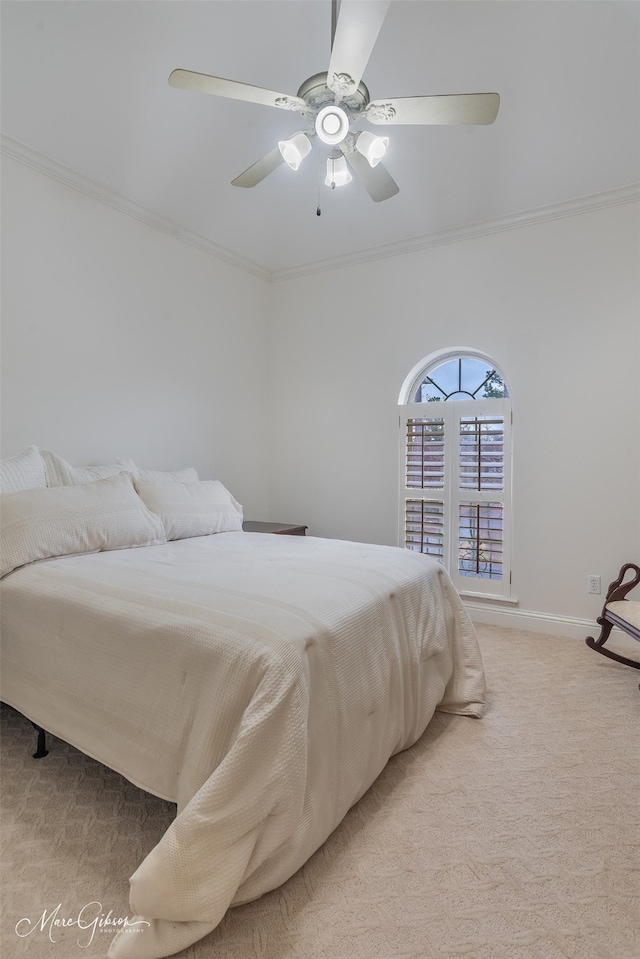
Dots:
(192, 509)
(155, 477)
(42, 523)
(61, 473)
(24, 471)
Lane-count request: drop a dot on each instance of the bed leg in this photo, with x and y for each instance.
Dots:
(41, 749)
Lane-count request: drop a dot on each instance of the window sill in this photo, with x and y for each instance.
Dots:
(490, 597)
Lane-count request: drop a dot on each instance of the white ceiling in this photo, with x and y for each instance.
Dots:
(85, 84)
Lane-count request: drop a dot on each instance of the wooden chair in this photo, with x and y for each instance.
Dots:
(621, 612)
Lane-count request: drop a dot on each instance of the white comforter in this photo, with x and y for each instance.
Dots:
(261, 682)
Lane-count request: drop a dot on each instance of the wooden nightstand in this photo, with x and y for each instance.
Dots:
(255, 526)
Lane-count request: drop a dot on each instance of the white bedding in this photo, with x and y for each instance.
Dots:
(261, 682)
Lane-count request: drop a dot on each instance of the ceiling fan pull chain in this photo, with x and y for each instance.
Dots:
(318, 210)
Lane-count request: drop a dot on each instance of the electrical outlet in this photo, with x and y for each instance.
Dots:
(593, 584)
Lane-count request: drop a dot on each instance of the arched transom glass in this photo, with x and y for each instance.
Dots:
(462, 378)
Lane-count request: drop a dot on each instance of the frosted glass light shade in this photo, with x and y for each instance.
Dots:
(295, 149)
(337, 172)
(371, 147)
(332, 125)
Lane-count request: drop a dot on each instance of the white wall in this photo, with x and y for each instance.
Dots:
(556, 304)
(121, 340)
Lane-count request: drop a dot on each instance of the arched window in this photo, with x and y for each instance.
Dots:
(455, 468)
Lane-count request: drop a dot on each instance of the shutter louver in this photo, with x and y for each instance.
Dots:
(481, 453)
(424, 527)
(424, 467)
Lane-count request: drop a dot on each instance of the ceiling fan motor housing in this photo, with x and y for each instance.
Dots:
(317, 95)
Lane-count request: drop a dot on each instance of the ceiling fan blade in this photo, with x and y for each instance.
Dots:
(260, 169)
(359, 23)
(219, 87)
(378, 183)
(455, 108)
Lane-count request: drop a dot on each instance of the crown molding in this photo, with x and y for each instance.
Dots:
(471, 231)
(38, 161)
(580, 205)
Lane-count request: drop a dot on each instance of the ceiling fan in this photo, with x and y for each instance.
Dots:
(336, 102)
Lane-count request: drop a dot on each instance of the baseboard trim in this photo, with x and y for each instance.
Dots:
(532, 621)
(564, 627)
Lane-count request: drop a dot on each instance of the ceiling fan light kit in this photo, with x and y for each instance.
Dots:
(371, 147)
(336, 101)
(337, 171)
(295, 149)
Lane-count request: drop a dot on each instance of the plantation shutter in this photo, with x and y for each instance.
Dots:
(425, 505)
(455, 489)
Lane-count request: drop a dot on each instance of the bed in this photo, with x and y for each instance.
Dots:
(260, 682)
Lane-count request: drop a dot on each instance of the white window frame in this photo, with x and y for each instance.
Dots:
(451, 494)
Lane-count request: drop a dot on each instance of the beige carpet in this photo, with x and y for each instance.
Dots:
(512, 837)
